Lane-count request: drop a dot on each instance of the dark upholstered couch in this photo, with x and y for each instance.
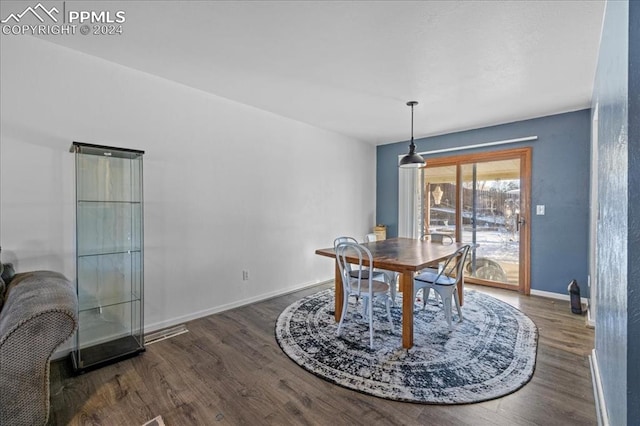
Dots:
(39, 313)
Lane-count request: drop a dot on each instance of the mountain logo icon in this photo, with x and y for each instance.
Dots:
(38, 11)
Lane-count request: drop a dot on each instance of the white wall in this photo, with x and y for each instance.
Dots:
(227, 186)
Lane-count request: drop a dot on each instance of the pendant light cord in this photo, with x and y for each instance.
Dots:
(411, 123)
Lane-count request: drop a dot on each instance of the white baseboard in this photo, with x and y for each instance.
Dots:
(148, 328)
(217, 309)
(62, 352)
(601, 408)
(583, 300)
(591, 321)
(558, 296)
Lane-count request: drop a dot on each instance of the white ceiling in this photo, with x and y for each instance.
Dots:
(351, 66)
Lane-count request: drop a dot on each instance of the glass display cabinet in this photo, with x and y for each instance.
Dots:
(109, 255)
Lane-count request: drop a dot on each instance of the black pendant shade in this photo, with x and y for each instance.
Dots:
(412, 160)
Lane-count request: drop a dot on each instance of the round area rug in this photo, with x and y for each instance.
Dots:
(490, 354)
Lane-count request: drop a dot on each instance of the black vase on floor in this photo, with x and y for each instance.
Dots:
(574, 294)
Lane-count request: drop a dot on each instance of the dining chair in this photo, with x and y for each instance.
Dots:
(391, 276)
(377, 275)
(366, 288)
(438, 237)
(444, 282)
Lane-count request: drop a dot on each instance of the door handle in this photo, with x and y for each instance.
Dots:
(519, 221)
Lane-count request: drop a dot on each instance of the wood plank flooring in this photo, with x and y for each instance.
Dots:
(229, 370)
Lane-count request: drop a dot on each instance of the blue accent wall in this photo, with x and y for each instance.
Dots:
(616, 255)
(633, 283)
(560, 181)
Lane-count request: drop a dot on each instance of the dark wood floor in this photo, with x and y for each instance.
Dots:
(229, 370)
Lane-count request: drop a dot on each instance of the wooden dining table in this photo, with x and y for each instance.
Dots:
(403, 255)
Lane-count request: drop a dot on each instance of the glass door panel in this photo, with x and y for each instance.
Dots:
(490, 219)
(441, 200)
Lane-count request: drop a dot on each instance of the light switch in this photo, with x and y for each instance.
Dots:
(540, 209)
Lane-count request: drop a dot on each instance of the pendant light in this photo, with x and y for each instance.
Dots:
(412, 160)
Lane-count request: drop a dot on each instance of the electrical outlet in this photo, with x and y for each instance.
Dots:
(540, 209)
(245, 275)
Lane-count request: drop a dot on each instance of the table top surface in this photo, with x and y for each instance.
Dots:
(402, 254)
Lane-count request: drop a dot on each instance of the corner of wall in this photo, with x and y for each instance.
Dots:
(601, 407)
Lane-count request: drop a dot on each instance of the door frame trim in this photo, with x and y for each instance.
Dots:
(525, 155)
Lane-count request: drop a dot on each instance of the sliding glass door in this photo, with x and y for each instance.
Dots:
(490, 217)
(482, 200)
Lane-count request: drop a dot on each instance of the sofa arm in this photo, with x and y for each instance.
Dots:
(39, 314)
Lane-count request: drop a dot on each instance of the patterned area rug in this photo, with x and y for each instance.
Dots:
(490, 354)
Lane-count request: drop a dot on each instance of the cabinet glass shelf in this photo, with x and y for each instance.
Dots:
(110, 251)
(106, 203)
(109, 255)
(89, 303)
